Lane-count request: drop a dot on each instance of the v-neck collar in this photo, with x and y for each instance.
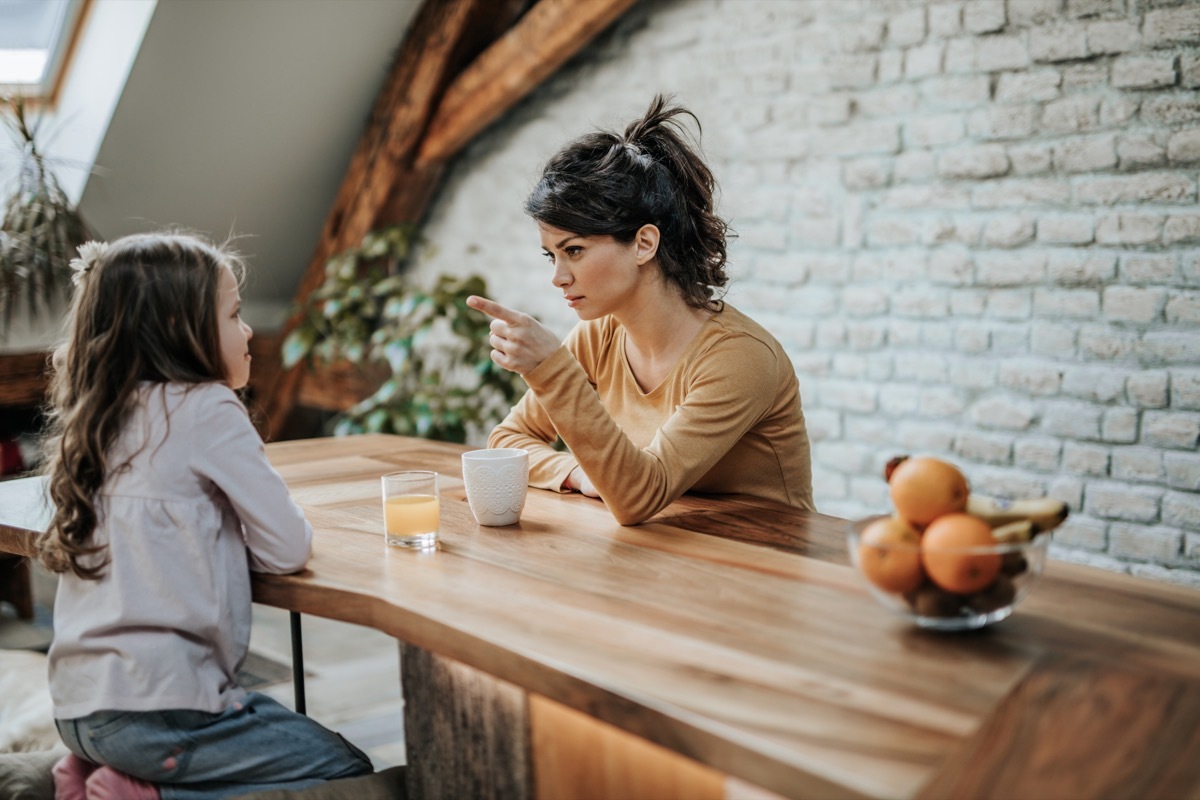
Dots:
(621, 338)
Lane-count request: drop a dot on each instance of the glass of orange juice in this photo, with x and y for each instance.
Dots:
(410, 508)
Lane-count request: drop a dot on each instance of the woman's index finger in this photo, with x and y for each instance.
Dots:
(492, 308)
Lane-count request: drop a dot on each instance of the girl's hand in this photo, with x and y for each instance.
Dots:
(578, 480)
(519, 342)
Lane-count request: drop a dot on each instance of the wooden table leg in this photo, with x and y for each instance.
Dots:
(582, 758)
(466, 733)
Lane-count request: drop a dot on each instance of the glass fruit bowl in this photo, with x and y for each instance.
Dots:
(944, 588)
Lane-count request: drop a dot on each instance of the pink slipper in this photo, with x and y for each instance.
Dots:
(70, 777)
(108, 784)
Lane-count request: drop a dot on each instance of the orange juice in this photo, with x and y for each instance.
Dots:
(410, 516)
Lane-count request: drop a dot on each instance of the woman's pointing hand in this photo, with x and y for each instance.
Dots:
(519, 342)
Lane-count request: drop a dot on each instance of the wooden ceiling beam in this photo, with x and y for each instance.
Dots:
(397, 121)
(443, 36)
(467, 27)
(421, 119)
(543, 40)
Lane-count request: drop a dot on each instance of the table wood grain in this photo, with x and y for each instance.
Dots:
(732, 632)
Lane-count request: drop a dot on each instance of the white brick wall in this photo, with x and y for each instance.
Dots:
(972, 223)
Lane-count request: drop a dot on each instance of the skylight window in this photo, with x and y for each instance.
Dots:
(35, 37)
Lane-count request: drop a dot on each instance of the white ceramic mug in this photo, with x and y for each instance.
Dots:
(497, 481)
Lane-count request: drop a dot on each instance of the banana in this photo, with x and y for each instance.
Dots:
(891, 465)
(1043, 513)
(1014, 532)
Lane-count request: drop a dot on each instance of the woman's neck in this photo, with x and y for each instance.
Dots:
(658, 329)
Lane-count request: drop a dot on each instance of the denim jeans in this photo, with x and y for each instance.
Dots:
(193, 755)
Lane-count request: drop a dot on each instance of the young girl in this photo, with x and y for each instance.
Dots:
(660, 389)
(165, 502)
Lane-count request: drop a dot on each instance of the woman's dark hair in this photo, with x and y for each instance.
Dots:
(612, 184)
(144, 310)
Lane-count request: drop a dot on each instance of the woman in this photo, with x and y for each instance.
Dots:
(661, 388)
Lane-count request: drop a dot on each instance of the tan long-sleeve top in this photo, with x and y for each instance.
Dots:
(726, 419)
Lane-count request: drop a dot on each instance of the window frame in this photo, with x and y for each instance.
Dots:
(47, 91)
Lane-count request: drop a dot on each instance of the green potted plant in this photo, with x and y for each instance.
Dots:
(41, 228)
(441, 382)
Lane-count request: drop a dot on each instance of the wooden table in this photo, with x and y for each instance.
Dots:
(722, 646)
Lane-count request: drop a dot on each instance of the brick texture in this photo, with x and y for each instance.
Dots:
(972, 223)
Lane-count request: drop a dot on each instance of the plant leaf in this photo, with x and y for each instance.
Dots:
(298, 344)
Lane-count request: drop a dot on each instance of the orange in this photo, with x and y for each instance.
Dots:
(889, 554)
(949, 552)
(923, 489)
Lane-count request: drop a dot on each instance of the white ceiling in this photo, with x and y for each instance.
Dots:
(241, 116)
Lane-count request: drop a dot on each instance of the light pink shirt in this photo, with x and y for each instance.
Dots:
(198, 508)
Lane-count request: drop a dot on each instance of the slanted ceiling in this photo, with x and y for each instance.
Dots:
(301, 127)
(242, 117)
(463, 65)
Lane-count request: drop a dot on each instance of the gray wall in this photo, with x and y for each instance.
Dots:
(240, 118)
(972, 224)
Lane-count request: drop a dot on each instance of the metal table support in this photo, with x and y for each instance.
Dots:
(298, 662)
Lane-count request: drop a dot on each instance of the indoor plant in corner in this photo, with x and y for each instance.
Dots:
(441, 382)
(41, 227)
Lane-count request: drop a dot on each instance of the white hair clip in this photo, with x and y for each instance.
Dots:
(639, 156)
(89, 254)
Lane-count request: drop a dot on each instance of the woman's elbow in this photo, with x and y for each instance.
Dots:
(633, 508)
(636, 515)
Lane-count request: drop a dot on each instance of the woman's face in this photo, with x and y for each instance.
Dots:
(597, 274)
(233, 333)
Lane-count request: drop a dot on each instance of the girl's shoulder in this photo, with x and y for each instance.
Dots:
(180, 420)
(191, 400)
(178, 393)
(208, 392)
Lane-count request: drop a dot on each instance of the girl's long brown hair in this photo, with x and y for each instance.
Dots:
(144, 311)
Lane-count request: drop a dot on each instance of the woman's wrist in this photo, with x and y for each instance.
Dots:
(577, 481)
(571, 482)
